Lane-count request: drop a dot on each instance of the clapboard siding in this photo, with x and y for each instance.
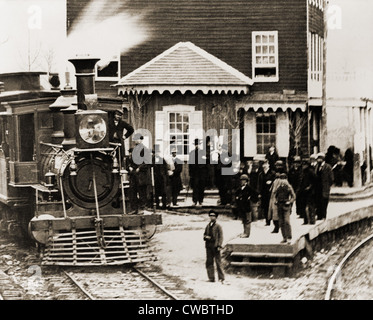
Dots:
(222, 28)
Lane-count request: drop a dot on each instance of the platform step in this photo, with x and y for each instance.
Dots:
(261, 264)
(262, 255)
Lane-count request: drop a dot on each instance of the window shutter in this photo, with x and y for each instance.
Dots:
(250, 134)
(161, 137)
(282, 134)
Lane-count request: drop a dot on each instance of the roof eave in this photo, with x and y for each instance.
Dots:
(206, 89)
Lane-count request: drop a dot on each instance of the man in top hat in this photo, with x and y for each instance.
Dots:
(213, 237)
(324, 181)
(266, 178)
(161, 179)
(223, 176)
(198, 173)
(175, 169)
(295, 178)
(119, 130)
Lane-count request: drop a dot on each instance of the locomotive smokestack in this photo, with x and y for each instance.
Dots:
(85, 82)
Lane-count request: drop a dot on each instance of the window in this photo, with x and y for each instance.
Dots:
(108, 70)
(265, 131)
(26, 146)
(265, 56)
(316, 57)
(178, 125)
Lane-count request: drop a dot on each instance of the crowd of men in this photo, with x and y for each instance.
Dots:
(265, 188)
(258, 189)
(269, 193)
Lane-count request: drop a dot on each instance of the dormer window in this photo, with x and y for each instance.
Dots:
(265, 56)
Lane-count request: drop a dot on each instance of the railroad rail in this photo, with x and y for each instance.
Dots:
(131, 283)
(337, 271)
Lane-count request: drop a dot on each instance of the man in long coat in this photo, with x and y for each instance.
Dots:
(198, 173)
(161, 179)
(142, 162)
(306, 192)
(223, 175)
(266, 178)
(324, 181)
(242, 207)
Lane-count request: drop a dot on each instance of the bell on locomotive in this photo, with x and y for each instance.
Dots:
(82, 218)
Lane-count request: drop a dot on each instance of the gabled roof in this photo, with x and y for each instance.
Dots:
(185, 67)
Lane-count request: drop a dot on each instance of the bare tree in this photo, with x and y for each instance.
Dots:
(31, 59)
(297, 126)
(49, 58)
(138, 112)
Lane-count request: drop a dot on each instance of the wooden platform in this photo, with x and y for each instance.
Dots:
(263, 248)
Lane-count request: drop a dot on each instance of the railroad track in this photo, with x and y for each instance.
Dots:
(128, 284)
(131, 283)
(338, 271)
(8, 289)
(28, 280)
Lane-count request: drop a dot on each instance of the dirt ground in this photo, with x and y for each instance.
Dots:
(180, 250)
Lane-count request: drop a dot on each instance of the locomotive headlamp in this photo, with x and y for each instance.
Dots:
(92, 128)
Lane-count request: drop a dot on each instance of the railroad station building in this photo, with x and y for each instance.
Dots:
(253, 65)
(256, 66)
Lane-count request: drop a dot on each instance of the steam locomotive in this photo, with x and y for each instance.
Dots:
(65, 182)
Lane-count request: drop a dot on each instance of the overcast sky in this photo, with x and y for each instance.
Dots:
(31, 28)
(32, 32)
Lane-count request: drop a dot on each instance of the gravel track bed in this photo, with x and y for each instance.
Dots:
(184, 270)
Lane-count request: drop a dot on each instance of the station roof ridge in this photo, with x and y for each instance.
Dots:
(183, 67)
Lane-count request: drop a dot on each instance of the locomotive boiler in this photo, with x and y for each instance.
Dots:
(70, 188)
